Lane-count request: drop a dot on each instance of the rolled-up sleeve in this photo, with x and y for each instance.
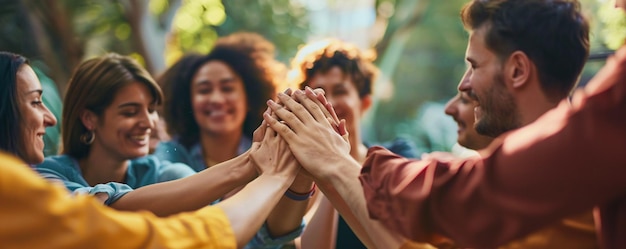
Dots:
(72, 180)
(564, 163)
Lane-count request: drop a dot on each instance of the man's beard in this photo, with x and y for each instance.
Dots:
(499, 111)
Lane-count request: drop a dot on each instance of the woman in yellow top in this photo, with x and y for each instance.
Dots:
(35, 214)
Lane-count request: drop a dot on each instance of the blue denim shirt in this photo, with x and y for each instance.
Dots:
(174, 151)
(141, 172)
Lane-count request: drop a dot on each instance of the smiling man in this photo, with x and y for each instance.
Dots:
(545, 169)
(461, 109)
(516, 73)
(504, 89)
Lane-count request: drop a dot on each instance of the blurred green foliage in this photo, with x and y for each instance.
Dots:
(431, 64)
(613, 25)
(421, 54)
(198, 24)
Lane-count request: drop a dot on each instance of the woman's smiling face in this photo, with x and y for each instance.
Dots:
(34, 115)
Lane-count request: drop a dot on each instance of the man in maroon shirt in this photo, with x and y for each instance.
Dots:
(563, 163)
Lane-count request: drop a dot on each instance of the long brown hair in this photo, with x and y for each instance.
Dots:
(93, 87)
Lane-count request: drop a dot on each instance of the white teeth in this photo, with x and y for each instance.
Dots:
(139, 138)
(217, 113)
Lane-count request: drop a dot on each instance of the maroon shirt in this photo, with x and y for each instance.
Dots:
(571, 159)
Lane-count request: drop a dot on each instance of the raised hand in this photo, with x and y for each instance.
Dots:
(311, 134)
(271, 155)
(320, 99)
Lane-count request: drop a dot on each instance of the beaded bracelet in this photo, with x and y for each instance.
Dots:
(300, 196)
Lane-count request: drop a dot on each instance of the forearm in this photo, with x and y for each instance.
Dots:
(522, 180)
(343, 189)
(564, 163)
(321, 230)
(249, 208)
(287, 215)
(190, 193)
(36, 214)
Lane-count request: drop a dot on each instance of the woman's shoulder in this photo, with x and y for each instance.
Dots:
(58, 162)
(151, 169)
(63, 166)
(172, 151)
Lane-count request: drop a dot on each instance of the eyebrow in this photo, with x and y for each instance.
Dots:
(208, 82)
(201, 82)
(227, 80)
(35, 91)
(130, 104)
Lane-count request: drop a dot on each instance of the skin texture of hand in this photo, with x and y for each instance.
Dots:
(270, 149)
(272, 155)
(306, 124)
(312, 139)
(318, 95)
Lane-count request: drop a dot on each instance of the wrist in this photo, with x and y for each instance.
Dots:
(300, 196)
(301, 184)
(243, 168)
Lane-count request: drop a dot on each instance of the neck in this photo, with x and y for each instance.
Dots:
(99, 167)
(532, 105)
(217, 148)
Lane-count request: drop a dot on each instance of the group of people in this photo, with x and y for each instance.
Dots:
(233, 163)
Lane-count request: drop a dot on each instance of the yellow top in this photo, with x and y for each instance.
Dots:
(37, 214)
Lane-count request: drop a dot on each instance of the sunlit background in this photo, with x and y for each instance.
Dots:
(419, 44)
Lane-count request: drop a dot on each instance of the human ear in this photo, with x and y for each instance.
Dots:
(518, 69)
(89, 119)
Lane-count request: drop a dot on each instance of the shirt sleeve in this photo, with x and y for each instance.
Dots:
(54, 172)
(263, 239)
(37, 214)
(173, 152)
(562, 164)
(172, 171)
(402, 146)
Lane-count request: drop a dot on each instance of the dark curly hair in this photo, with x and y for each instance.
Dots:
(321, 56)
(251, 57)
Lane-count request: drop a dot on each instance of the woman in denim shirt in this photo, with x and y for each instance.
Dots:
(211, 110)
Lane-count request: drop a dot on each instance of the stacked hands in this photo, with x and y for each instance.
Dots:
(300, 137)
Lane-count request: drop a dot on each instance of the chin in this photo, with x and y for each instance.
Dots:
(34, 159)
(137, 154)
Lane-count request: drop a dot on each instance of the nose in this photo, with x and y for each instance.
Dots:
(217, 97)
(48, 118)
(148, 119)
(464, 84)
(451, 109)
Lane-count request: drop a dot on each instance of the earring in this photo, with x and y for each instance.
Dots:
(88, 137)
